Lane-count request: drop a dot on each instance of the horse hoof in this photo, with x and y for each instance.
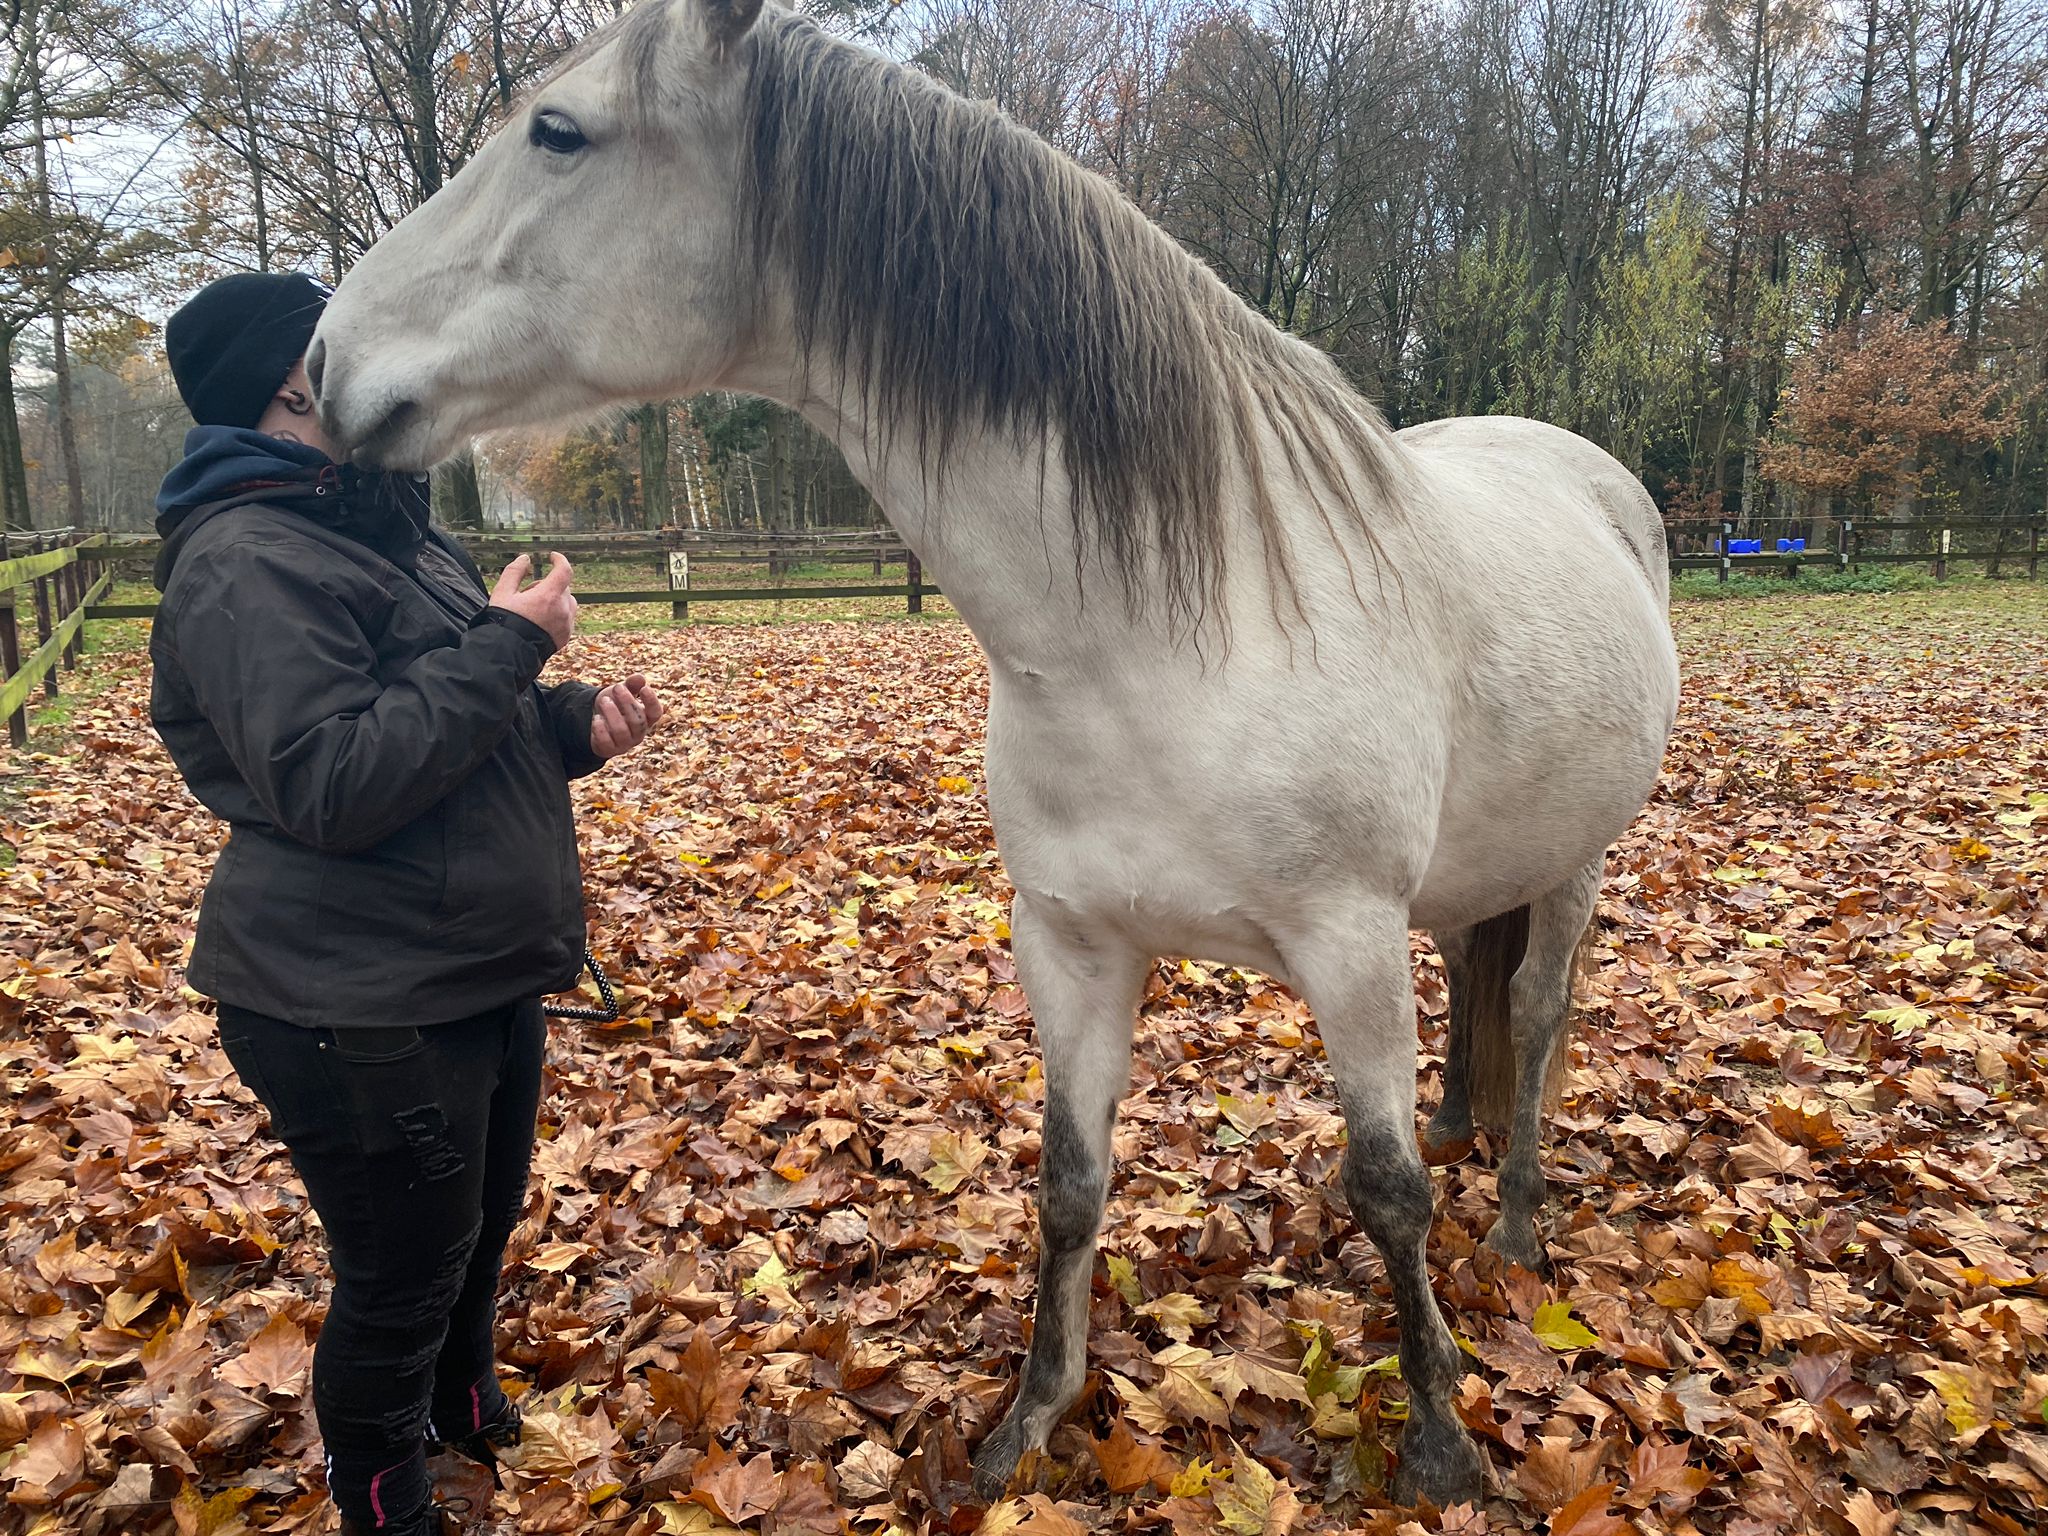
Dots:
(1447, 1126)
(1445, 1142)
(1516, 1243)
(1440, 1465)
(995, 1463)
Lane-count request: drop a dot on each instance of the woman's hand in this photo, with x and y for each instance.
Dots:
(547, 603)
(622, 717)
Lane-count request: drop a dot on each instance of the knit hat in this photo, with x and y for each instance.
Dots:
(234, 341)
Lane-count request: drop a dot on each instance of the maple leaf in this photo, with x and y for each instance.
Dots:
(1254, 1502)
(1587, 1514)
(1556, 1471)
(1867, 1517)
(868, 1472)
(701, 1392)
(733, 1489)
(49, 1465)
(1178, 1314)
(691, 1520)
(1032, 1515)
(277, 1360)
(1129, 1464)
(1962, 1393)
(954, 1160)
(803, 1505)
(1557, 1328)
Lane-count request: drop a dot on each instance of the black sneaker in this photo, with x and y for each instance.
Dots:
(482, 1444)
(435, 1521)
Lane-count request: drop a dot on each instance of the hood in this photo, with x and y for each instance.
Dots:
(221, 462)
(234, 466)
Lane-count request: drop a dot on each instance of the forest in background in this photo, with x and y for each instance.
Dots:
(1779, 256)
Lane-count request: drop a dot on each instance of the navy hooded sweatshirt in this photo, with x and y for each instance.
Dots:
(331, 683)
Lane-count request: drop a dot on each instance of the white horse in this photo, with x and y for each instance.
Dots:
(1270, 684)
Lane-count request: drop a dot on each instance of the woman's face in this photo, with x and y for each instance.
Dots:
(290, 413)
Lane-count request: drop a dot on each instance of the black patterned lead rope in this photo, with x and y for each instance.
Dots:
(605, 1015)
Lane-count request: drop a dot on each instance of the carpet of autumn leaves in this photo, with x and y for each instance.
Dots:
(776, 1266)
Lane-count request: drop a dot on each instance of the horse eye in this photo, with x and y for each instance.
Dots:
(556, 134)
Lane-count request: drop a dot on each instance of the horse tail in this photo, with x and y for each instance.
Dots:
(1493, 954)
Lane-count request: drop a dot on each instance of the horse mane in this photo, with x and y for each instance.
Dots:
(960, 272)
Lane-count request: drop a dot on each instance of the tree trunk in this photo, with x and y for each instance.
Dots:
(14, 508)
(60, 354)
(657, 497)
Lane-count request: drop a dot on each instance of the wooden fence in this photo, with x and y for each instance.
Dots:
(62, 587)
(1788, 545)
(678, 560)
(67, 574)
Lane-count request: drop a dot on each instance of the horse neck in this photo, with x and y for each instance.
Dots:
(991, 527)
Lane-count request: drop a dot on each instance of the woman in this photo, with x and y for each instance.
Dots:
(400, 884)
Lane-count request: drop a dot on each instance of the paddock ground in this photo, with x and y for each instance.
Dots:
(775, 1270)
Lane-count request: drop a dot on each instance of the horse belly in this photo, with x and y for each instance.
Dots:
(1555, 757)
(1205, 825)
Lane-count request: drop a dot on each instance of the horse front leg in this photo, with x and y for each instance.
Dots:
(1356, 980)
(1084, 991)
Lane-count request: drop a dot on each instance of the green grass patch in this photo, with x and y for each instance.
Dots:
(1812, 580)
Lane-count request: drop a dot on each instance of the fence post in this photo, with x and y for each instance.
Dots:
(914, 577)
(1842, 544)
(10, 662)
(71, 594)
(679, 582)
(2033, 551)
(1727, 533)
(42, 596)
(1941, 557)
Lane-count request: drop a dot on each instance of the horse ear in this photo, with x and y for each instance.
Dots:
(725, 22)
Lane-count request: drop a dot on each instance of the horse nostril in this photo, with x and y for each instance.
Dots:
(316, 364)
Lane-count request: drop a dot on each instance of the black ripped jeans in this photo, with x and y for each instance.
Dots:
(414, 1146)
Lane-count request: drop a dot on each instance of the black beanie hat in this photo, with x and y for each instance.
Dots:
(233, 342)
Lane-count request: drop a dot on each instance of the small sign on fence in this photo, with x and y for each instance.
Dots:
(679, 581)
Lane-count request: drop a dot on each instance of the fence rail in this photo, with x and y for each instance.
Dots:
(1787, 545)
(52, 566)
(676, 556)
(1782, 546)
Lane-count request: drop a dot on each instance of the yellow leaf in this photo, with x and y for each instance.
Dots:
(222, 1509)
(1251, 1503)
(954, 1159)
(771, 1276)
(1958, 1397)
(1972, 849)
(1330, 1421)
(1123, 1274)
(1178, 1314)
(691, 1520)
(1194, 1481)
(1556, 1327)
(1247, 1115)
(955, 784)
